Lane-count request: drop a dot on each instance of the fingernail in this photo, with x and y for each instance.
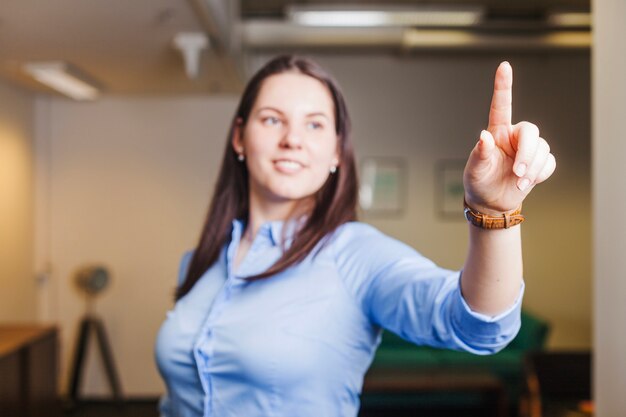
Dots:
(523, 184)
(520, 170)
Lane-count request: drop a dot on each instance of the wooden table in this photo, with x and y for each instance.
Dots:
(28, 371)
(408, 381)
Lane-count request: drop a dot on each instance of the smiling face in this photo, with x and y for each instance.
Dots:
(289, 140)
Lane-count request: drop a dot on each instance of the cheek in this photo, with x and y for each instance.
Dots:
(255, 148)
(320, 176)
(322, 166)
(257, 155)
(256, 167)
(325, 148)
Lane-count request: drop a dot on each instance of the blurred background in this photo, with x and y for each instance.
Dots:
(120, 172)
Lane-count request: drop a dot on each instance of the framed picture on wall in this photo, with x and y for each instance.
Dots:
(383, 182)
(449, 188)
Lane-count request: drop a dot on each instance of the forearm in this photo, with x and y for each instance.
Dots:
(492, 274)
(506, 163)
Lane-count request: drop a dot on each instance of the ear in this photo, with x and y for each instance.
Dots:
(237, 139)
(337, 156)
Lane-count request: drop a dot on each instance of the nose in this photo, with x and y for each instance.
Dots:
(292, 137)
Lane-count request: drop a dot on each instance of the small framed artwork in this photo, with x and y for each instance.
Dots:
(383, 182)
(449, 188)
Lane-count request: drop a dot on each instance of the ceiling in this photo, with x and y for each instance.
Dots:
(127, 45)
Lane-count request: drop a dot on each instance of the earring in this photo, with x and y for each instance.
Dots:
(241, 157)
(333, 169)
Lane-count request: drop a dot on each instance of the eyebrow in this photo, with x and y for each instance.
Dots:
(317, 113)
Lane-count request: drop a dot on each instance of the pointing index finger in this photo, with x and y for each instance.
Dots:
(501, 107)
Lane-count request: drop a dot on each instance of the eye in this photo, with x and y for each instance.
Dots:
(270, 121)
(313, 125)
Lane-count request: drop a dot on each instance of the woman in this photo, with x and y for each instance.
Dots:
(280, 307)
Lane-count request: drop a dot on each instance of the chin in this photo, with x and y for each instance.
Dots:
(292, 195)
(282, 191)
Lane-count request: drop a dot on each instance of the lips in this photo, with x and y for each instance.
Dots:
(288, 166)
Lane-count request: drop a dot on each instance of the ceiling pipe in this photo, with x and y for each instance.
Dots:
(218, 20)
(263, 34)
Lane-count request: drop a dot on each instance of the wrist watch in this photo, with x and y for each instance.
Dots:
(485, 221)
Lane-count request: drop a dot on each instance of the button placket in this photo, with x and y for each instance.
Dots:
(203, 352)
(205, 344)
(204, 347)
(249, 260)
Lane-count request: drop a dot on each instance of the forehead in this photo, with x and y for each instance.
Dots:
(295, 92)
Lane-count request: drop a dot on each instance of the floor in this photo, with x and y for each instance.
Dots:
(148, 408)
(134, 408)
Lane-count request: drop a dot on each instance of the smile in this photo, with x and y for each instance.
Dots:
(288, 166)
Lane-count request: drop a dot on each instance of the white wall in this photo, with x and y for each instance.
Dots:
(18, 302)
(609, 205)
(130, 180)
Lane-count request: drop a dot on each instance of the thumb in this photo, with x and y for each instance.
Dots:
(485, 146)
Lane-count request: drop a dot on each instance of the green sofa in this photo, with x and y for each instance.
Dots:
(507, 364)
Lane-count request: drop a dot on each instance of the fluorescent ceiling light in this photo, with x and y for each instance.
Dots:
(459, 39)
(63, 78)
(390, 16)
(570, 19)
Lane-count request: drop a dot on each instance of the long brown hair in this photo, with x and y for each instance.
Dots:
(335, 202)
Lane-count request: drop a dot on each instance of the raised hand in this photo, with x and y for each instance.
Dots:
(508, 160)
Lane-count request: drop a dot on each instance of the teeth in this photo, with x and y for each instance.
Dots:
(289, 164)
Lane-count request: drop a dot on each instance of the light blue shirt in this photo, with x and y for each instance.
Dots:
(300, 342)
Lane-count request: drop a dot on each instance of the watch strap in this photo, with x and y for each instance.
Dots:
(485, 221)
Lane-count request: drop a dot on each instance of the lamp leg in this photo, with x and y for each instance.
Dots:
(87, 324)
(107, 357)
(79, 359)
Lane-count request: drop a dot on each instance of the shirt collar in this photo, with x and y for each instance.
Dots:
(273, 231)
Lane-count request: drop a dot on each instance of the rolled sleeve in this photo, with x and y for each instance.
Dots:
(481, 333)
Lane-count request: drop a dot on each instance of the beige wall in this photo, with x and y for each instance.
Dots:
(609, 205)
(17, 284)
(130, 180)
(428, 108)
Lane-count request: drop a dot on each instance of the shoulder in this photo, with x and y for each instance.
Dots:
(361, 247)
(364, 240)
(376, 268)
